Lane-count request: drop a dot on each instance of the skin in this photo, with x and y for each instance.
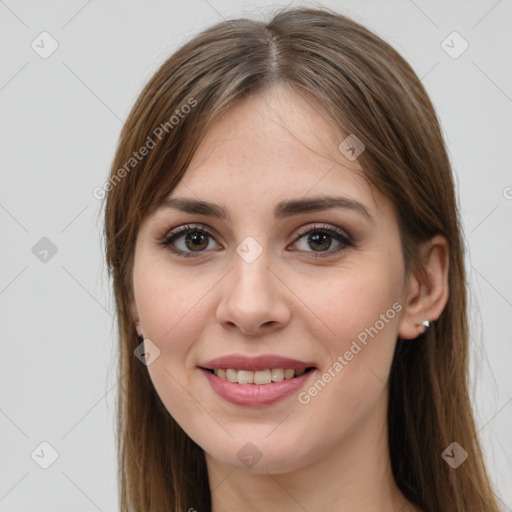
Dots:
(331, 453)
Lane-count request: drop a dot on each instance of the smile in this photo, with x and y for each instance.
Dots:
(259, 377)
(256, 381)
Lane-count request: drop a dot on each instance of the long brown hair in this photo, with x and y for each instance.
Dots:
(371, 91)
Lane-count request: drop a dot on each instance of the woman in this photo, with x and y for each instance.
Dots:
(284, 240)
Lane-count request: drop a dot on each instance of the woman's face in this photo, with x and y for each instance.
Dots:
(273, 285)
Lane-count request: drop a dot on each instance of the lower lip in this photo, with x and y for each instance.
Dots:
(253, 395)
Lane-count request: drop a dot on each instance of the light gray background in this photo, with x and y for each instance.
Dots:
(60, 120)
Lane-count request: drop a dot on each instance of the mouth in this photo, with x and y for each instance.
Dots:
(258, 377)
(256, 381)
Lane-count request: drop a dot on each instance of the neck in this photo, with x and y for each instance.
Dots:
(353, 476)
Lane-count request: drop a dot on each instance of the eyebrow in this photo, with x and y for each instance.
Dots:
(281, 210)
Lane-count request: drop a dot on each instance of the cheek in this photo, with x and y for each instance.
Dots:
(360, 304)
(356, 322)
(170, 304)
(171, 309)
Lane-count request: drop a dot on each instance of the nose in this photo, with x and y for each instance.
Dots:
(254, 299)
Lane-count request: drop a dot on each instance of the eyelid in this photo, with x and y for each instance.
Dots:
(304, 230)
(203, 228)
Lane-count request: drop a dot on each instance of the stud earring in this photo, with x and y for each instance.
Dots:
(425, 324)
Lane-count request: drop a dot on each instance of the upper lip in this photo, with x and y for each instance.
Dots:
(254, 363)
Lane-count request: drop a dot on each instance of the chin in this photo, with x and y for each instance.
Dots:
(262, 456)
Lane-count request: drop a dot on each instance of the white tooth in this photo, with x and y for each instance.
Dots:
(245, 377)
(289, 373)
(262, 377)
(277, 374)
(259, 377)
(231, 375)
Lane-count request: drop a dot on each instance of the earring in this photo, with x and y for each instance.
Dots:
(425, 324)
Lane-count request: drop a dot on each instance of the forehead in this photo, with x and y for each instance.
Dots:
(275, 145)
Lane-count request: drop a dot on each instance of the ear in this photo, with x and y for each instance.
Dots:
(136, 318)
(427, 289)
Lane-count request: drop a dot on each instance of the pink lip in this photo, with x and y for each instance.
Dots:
(253, 395)
(263, 362)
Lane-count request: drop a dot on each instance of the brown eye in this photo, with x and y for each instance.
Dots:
(196, 241)
(319, 239)
(188, 239)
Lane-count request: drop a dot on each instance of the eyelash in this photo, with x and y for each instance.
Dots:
(339, 235)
